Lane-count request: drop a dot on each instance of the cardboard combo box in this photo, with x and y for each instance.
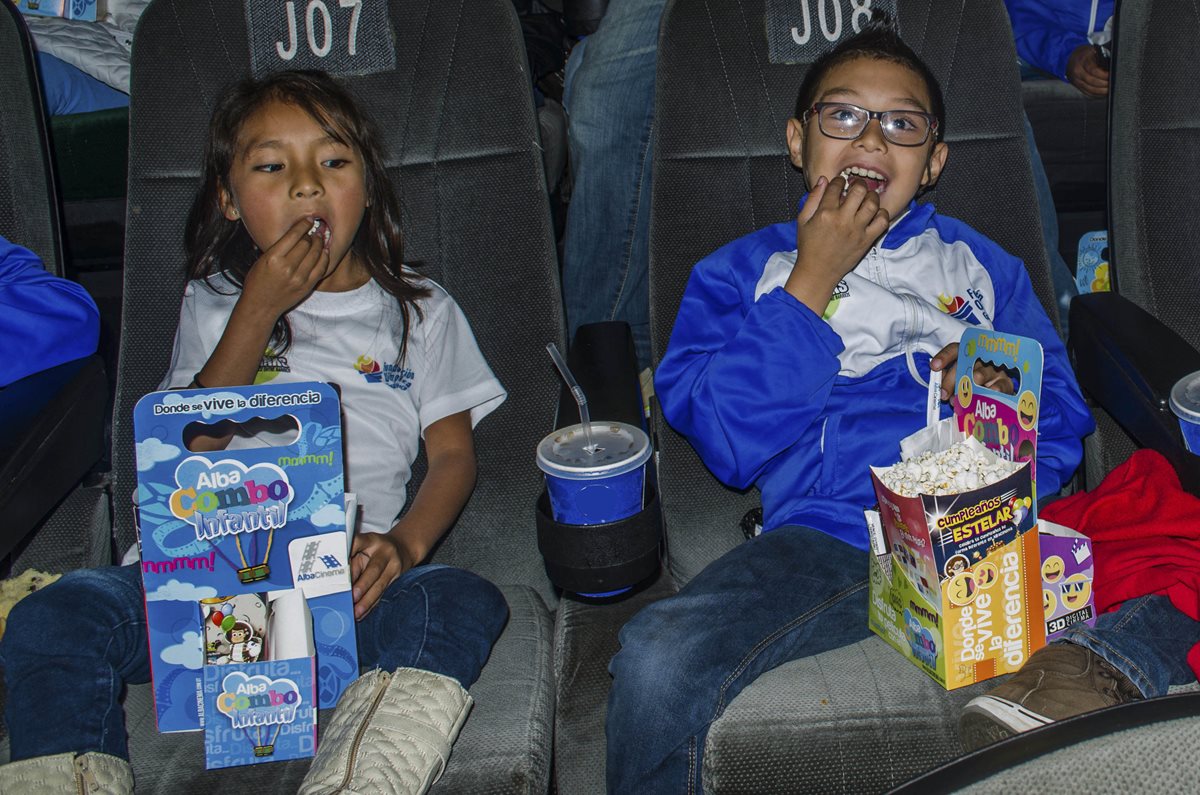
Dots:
(88, 10)
(244, 556)
(1067, 572)
(955, 583)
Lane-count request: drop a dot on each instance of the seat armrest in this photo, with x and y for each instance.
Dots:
(1141, 724)
(51, 434)
(585, 639)
(1127, 360)
(603, 360)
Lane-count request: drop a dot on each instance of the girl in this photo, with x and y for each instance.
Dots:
(294, 249)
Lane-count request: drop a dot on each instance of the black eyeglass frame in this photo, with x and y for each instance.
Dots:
(871, 114)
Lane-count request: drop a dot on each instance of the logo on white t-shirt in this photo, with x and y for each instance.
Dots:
(272, 364)
(393, 375)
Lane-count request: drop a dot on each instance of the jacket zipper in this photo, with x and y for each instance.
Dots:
(380, 689)
(84, 776)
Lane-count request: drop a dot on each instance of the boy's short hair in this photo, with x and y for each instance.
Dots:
(878, 40)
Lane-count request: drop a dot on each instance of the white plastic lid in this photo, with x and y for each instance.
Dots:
(1185, 398)
(622, 448)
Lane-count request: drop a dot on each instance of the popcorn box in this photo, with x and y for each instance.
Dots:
(953, 582)
(88, 10)
(1067, 572)
(244, 556)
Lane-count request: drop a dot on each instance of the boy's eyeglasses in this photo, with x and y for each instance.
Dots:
(846, 122)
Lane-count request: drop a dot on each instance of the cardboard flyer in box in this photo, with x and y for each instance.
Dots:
(1067, 571)
(87, 10)
(225, 533)
(953, 590)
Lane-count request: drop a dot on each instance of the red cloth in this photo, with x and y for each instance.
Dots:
(1145, 532)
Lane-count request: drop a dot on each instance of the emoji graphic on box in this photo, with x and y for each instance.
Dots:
(1067, 573)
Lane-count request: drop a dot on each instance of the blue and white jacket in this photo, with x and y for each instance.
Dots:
(771, 394)
(45, 320)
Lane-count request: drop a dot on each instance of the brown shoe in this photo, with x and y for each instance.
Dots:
(1059, 681)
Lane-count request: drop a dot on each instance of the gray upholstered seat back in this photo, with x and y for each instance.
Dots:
(1155, 160)
(1154, 154)
(457, 117)
(721, 171)
(29, 213)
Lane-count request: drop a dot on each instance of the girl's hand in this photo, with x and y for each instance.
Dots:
(376, 560)
(288, 271)
(832, 236)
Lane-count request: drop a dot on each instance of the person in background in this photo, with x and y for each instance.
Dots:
(44, 320)
(1066, 39)
(609, 96)
(1060, 39)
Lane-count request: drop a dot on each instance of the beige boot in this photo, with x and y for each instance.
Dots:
(390, 733)
(86, 774)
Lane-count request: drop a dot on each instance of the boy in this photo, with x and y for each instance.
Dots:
(799, 357)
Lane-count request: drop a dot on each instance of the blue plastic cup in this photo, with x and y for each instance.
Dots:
(606, 485)
(598, 487)
(1185, 402)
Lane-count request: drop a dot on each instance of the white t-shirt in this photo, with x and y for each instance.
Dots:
(352, 339)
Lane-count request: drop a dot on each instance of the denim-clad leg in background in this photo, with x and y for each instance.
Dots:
(609, 96)
(1147, 639)
(69, 650)
(1061, 275)
(788, 594)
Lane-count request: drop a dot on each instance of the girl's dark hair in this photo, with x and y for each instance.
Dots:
(216, 245)
(880, 41)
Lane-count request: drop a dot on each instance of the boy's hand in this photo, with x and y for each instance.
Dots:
(982, 374)
(376, 560)
(287, 272)
(832, 236)
(992, 378)
(945, 359)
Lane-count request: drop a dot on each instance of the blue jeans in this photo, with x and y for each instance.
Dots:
(70, 649)
(1061, 276)
(1147, 639)
(787, 594)
(609, 96)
